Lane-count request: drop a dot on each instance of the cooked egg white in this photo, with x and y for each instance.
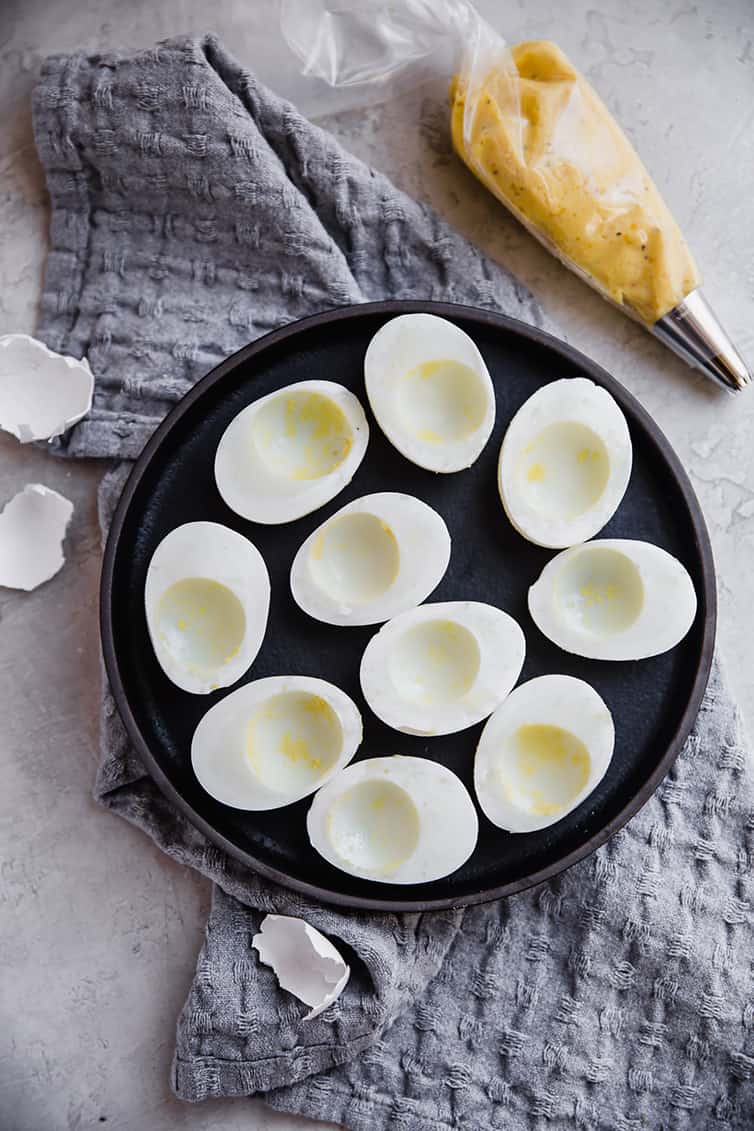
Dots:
(542, 752)
(565, 463)
(291, 451)
(394, 820)
(614, 599)
(207, 596)
(430, 391)
(376, 557)
(274, 741)
(442, 667)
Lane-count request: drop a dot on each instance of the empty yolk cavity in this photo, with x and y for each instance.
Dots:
(434, 662)
(441, 401)
(301, 435)
(292, 740)
(599, 591)
(545, 768)
(563, 471)
(373, 827)
(355, 558)
(201, 623)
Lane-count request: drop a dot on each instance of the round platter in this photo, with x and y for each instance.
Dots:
(654, 702)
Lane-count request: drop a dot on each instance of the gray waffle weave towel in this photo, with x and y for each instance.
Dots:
(192, 210)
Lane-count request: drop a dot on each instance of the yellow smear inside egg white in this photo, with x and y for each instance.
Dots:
(201, 624)
(600, 591)
(563, 470)
(301, 435)
(436, 661)
(544, 768)
(355, 558)
(441, 401)
(293, 740)
(374, 827)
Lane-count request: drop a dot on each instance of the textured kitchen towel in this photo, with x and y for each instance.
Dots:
(193, 210)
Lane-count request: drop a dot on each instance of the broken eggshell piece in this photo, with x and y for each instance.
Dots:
(430, 391)
(565, 462)
(376, 557)
(305, 963)
(614, 599)
(32, 529)
(290, 452)
(543, 751)
(274, 741)
(207, 596)
(42, 393)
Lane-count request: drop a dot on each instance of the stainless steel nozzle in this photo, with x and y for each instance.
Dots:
(692, 330)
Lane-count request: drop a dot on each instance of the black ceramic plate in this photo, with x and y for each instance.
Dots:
(654, 702)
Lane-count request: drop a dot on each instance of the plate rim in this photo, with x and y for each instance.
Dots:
(495, 320)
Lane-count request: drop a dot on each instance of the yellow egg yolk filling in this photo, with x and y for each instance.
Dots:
(544, 143)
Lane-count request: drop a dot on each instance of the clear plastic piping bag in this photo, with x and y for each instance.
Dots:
(536, 134)
(389, 47)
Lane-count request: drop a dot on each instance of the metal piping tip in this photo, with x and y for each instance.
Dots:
(692, 330)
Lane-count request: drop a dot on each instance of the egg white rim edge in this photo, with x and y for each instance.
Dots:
(502, 649)
(451, 343)
(442, 802)
(228, 720)
(415, 524)
(558, 700)
(263, 497)
(669, 604)
(207, 550)
(568, 400)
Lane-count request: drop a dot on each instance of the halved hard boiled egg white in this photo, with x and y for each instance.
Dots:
(207, 596)
(565, 462)
(542, 753)
(430, 391)
(376, 557)
(442, 667)
(396, 820)
(291, 451)
(614, 599)
(274, 741)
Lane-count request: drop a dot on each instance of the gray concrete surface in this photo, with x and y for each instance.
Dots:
(99, 931)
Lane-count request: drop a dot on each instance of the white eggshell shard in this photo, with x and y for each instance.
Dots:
(274, 741)
(32, 528)
(565, 462)
(395, 820)
(305, 962)
(42, 393)
(291, 451)
(376, 557)
(442, 667)
(430, 391)
(207, 596)
(542, 753)
(614, 599)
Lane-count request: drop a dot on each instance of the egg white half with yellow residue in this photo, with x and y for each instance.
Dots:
(376, 557)
(395, 820)
(274, 741)
(565, 462)
(442, 667)
(614, 599)
(291, 451)
(207, 596)
(542, 752)
(430, 391)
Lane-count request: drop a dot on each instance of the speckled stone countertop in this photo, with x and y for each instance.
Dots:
(98, 930)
